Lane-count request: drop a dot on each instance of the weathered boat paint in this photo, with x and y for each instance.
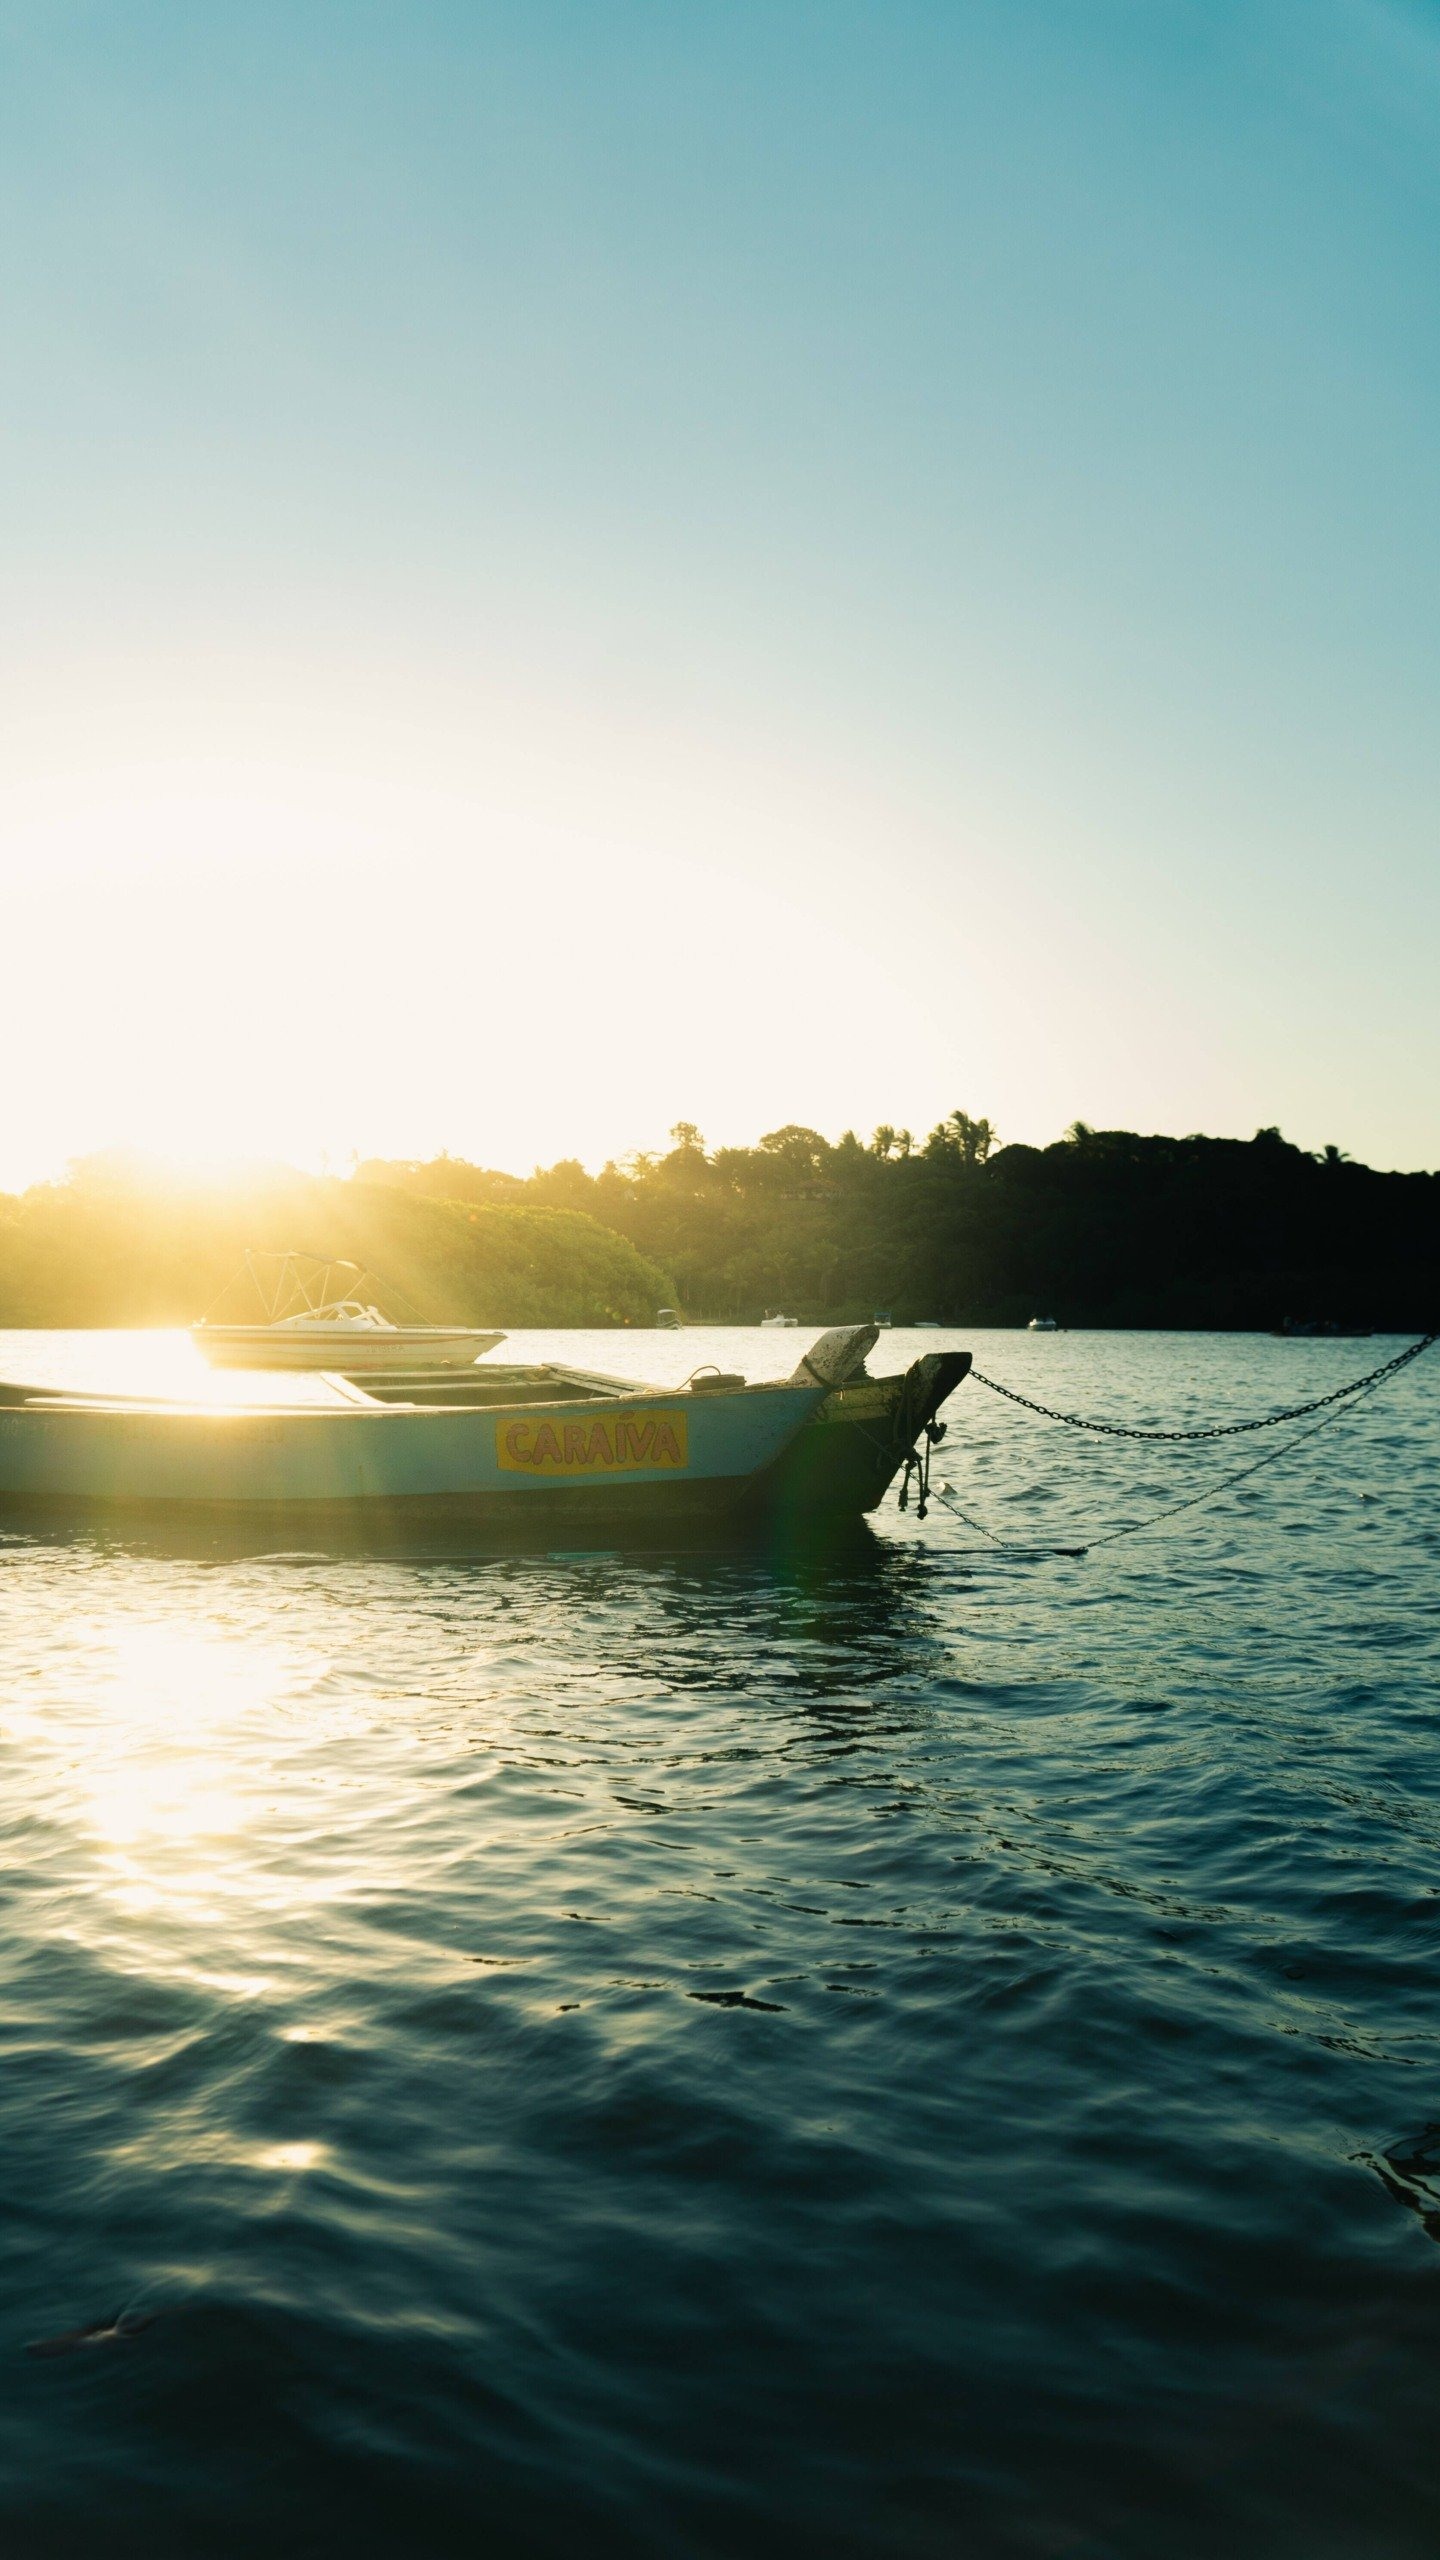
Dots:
(524, 1458)
(843, 1462)
(598, 1444)
(598, 1456)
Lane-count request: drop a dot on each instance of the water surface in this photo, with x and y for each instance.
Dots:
(925, 2052)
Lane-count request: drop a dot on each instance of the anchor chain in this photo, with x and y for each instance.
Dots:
(1340, 1401)
(1214, 1430)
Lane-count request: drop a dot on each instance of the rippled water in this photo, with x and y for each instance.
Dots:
(921, 2054)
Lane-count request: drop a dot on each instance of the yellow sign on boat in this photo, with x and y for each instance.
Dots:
(597, 1444)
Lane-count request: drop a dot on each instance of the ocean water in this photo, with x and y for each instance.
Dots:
(926, 2052)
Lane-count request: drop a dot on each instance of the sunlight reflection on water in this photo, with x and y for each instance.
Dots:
(728, 2054)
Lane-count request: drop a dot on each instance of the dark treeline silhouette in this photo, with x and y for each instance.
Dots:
(1102, 1228)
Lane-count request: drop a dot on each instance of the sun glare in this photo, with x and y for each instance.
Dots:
(301, 965)
(161, 1773)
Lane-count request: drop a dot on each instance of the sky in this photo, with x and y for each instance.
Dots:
(575, 564)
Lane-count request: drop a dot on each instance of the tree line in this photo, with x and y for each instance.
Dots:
(122, 1242)
(1104, 1227)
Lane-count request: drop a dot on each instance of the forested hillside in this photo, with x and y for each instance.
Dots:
(1102, 1228)
(117, 1245)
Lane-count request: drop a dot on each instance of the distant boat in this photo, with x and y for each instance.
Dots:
(309, 1325)
(1042, 1324)
(883, 1318)
(669, 1320)
(774, 1320)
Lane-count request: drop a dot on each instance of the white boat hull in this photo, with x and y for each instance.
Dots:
(350, 1350)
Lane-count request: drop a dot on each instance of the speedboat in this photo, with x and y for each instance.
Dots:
(1042, 1324)
(307, 1326)
(529, 1456)
(771, 1323)
(351, 1339)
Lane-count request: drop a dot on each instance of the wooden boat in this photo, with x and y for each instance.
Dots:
(307, 1325)
(527, 1455)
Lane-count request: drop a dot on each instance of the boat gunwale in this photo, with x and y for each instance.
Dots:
(59, 1403)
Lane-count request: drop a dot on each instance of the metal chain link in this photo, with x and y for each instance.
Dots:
(1210, 1492)
(1213, 1430)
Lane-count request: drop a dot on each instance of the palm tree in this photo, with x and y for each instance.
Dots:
(973, 1138)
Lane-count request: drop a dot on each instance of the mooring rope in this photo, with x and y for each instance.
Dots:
(1212, 1492)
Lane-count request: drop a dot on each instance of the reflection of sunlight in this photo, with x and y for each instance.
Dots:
(291, 2155)
(160, 1766)
(190, 1756)
(167, 1365)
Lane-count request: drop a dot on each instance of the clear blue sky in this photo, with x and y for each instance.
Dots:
(567, 566)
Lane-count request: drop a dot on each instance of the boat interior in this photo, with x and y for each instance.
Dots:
(547, 1382)
(838, 1358)
(462, 1390)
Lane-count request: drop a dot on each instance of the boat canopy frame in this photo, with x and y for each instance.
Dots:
(303, 1284)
